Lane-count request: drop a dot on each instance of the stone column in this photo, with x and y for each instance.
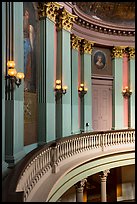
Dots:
(103, 177)
(79, 190)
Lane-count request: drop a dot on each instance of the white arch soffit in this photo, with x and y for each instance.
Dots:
(88, 169)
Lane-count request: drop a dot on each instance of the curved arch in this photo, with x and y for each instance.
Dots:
(88, 169)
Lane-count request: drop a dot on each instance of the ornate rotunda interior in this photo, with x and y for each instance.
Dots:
(68, 101)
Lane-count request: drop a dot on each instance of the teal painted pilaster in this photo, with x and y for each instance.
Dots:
(82, 100)
(66, 80)
(4, 164)
(46, 96)
(132, 97)
(14, 103)
(117, 108)
(59, 77)
(63, 73)
(87, 97)
(74, 90)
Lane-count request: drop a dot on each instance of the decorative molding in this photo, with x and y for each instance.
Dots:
(117, 52)
(101, 27)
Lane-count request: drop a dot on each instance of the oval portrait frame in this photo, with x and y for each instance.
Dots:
(99, 59)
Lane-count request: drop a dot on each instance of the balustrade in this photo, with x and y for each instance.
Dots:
(50, 157)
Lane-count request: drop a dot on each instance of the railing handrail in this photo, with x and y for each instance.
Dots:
(53, 153)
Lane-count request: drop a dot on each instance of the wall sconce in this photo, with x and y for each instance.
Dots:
(13, 75)
(82, 90)
(59, 89)
(126, 92)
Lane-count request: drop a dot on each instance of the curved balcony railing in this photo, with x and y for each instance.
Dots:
(45, 159)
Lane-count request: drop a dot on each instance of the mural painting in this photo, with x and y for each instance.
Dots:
(29, 32)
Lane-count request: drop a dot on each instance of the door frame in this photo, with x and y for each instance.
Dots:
(106, 81)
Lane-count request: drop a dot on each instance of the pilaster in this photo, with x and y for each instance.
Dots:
(4, 164)
(14, 99)
(86, 100)
(117, 100)
(132, 86)
(46, 78)
(75, 66)
(64, 22)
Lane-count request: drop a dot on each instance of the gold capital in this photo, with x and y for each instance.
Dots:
(117, 52)
(75, 41)
(131, 52)
(87, 46)
(49, 10)
(65, 19)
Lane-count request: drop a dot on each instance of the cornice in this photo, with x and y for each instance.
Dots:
(100, 26)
